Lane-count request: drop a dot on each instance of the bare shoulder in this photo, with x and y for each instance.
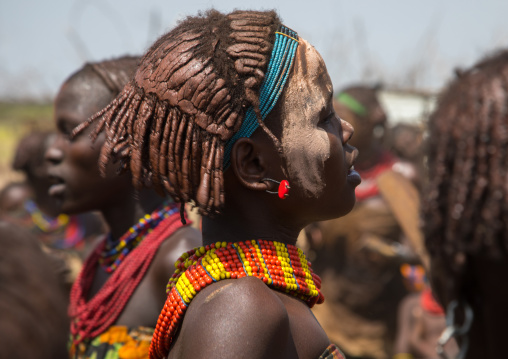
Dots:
(183, 240)
(239, 318)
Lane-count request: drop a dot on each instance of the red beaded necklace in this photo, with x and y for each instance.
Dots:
(281, 266)
(91, 318)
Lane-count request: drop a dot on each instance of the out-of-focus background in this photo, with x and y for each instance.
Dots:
(410, 47)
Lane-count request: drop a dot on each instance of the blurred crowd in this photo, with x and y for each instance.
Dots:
(371, 260)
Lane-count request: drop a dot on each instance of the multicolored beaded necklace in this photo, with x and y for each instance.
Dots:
(282, 267)
(42, 221)
(92, 316)
(115, 252)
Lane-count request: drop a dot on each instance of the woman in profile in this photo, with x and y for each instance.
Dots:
(233, 113)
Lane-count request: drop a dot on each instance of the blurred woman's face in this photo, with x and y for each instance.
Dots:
(77, 182)
(314, 139)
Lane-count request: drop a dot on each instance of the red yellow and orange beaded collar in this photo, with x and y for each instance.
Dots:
(282, 267)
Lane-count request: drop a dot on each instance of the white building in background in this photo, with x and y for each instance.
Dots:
(411, 107)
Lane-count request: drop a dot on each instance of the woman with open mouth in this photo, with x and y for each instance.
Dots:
(116, 299)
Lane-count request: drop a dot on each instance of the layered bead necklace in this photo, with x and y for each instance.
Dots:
(282, 267)
(91, 317)
(115, 251)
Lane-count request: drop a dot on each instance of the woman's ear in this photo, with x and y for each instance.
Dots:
(249, 163)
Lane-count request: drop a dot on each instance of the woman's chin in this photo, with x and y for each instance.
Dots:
(71, 208)
(346, 205)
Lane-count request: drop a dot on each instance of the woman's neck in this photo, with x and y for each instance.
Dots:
(124, 214)
(242, 224)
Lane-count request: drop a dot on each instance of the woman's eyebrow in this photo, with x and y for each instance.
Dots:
(328, 102)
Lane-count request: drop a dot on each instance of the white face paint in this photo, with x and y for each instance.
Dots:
(305, 145)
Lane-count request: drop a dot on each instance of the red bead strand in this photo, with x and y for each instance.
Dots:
(90, 318)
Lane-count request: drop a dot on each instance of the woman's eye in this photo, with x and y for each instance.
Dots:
(326, 120)
(65, 132)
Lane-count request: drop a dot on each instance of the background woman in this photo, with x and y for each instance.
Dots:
(117, 297)
(466, 207)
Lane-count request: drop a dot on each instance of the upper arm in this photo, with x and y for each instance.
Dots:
(239, 318)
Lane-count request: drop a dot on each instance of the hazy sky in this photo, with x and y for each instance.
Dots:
(399, 42)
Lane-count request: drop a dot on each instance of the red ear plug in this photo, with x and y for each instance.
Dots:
(284, 188)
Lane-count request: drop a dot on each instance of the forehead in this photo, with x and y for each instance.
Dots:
(309, 84)
(309, 62)
(81, 97)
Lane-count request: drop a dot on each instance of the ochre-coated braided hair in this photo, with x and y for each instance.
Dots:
(466, 206)
(170, 123)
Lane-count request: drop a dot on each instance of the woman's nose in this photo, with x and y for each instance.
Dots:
(54, 154)
(347, 131)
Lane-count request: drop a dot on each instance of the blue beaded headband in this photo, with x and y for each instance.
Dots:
(281, 59)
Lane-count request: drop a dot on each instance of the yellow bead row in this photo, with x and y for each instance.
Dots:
(283, 257)
(308, 275)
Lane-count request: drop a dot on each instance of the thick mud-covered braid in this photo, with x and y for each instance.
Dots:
(155, 144)
(179, 142)
(466, 209)
(186, 169)
(112, 129)
(118, 130)
(138, 140)
(110, 108)
(163, 160)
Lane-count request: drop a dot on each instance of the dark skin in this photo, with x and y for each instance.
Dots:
(13, 196)
(244, 317)
(79, 187)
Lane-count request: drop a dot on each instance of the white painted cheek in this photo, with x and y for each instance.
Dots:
(306, 147)
(306, 150)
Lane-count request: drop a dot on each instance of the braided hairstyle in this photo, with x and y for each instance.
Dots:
(466, 207)
(189, 96)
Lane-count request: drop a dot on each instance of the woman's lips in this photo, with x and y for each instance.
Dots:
(58, 187)
(56, 190)
(353, 177)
